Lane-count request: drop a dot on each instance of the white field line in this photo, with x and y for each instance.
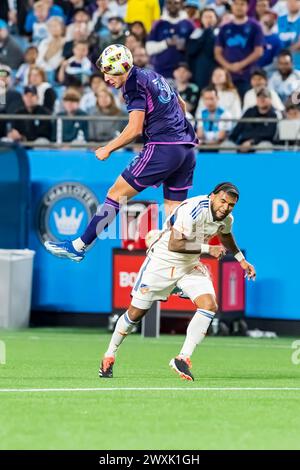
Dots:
(146, 389)
(213, 342)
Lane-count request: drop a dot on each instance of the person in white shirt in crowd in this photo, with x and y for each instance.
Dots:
(76, 70)
(285, 80)
(89, 99)
(211, 130)
(30, 58)
(45, 92)
(81, 17)
(259, 80)
(51, 49)
(229, 98)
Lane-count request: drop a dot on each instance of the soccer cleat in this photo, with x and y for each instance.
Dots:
(64, 249)
(106, 368)
(179, 293)
(182, 367)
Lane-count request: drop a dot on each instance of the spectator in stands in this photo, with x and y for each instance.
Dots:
(132, 42)
(146, 11)
(247, 134)
(215, 131)
(100, 17)
(285, 80)
(259, 80)
(46, 94)
(192, 8)
(30, 129)
(188, 91)
(71, 131)
(80, 33)
(138, 29)
(76, 70)
(200, 48)
(36, 20)
(227, 93)
(292, 111)
(140, 57)
(289, 25)
(239, 46)
(81, 18)
(11, 100)
(10, 52)
(119, 7)
(167, 39)
(89, 99)
(51, 49)
(14, 13)
(261, 7)
(105, 130)
(116, 33)
(272, 43)
(30, 57)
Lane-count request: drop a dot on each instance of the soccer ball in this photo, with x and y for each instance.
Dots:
(115, 60)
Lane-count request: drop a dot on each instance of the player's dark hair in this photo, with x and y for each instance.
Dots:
(228, 187)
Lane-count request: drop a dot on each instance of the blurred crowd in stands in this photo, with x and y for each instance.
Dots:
(228, 59)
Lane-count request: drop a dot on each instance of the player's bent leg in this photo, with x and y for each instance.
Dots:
(123, 328)
(106, 213)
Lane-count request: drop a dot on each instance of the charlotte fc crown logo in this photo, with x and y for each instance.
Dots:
(65, 210)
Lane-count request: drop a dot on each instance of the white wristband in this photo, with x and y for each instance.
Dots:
(239, 256)
(204, 248)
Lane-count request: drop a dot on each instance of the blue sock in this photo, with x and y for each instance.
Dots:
(104, 216)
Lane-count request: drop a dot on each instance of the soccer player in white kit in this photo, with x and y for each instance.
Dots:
(173, 261)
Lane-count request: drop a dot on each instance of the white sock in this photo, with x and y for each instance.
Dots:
(78, 244)
(123, 328)
(196, 331)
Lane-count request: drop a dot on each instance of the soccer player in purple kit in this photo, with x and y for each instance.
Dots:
(158, 113)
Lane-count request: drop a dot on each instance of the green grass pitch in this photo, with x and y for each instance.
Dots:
(214, 412)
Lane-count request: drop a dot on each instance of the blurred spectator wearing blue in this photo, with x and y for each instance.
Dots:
(76, 70)
(188, 91)
(289, 29)
(285, 80)
(192, 8)
(115, 35)
(200, 48)
(247, 134)
(30, 58)
(211, 130)
(272, 43)
(11, 53)
(228, 97)
(167, 40)
(88, 100)
(31, 129)
(239, 46)
(72, 130)
(45, 92)
(51, 49)
(36, 19)
(105, 130)
(259, 80)
(11, 99)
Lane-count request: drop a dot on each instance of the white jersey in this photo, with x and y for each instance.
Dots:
(193, 218)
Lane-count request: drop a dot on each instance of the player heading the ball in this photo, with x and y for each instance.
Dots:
(156, 112)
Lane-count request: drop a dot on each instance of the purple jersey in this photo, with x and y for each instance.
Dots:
(165, 123)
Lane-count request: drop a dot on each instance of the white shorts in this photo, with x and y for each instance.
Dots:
(156, 280)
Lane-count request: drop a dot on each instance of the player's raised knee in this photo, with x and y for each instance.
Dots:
(206, 302)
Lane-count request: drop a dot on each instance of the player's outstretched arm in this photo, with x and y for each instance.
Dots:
(229, 243)
(133, 129)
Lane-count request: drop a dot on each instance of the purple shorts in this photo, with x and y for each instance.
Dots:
(170, 165)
